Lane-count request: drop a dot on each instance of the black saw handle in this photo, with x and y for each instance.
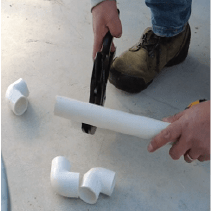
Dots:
(107, 41)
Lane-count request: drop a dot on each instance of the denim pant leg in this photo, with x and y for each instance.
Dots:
(169, 17)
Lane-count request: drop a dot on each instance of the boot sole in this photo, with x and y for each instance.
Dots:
(127, 83)
(133, 84)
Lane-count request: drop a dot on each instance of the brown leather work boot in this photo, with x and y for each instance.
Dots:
(136, 68)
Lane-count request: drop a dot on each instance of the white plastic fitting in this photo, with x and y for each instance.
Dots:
(96, 181)
(115, 120)
(16, 96)
(63, 181)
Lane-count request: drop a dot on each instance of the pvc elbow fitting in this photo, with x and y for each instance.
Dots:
(16, 96)
(63, 181)
(96, 181)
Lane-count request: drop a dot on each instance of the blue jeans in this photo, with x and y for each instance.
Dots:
(169, 17)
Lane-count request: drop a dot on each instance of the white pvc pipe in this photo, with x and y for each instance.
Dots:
(96, 181)
(63, 181)
(16, 96)
(115, 120)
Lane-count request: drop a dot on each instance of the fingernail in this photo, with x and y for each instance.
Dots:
(150, 148)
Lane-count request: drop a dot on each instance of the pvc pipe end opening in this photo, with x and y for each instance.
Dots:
(87, 195)
(21, 105)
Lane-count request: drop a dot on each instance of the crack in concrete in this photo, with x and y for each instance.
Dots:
(35, 41)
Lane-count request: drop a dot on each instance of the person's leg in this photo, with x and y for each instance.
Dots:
(169, 17)
(165, 44)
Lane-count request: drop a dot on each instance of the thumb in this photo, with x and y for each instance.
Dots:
(115, 27)
(173, 118)
(170, 134)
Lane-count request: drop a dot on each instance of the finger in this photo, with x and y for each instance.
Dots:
(115, 27)
(191, 155)
(170, 134)
(173, 118)
(98, 40)
(113, 48)
(203, 158)
(178, 149)
(188, 158)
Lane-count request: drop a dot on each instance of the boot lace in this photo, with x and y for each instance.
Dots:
(151, 43)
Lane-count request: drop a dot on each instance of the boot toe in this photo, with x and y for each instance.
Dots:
(125, 82)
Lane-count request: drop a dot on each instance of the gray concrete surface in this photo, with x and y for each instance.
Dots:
(49, 44)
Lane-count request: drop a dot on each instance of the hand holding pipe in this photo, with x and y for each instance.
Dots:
(110, 119)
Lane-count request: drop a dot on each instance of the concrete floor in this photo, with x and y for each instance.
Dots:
(49, 44)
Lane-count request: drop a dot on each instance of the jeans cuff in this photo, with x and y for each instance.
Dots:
(167, 32)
